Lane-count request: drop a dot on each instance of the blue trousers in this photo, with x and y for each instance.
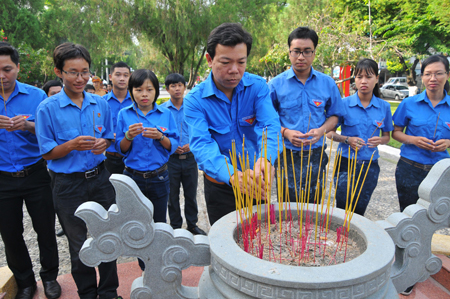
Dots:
(366, 190)
(183, 171)
(407, 180)
(314, 163)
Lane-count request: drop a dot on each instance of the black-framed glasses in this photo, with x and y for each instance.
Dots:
(438, 75)
(306, 53)
(74, 75)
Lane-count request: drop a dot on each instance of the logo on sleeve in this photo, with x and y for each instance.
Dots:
(26, 116)
(100, 128)
(98, 114)
(379, 123)
(448, 124)
(317, 102)
(163, 129)
(249, 119)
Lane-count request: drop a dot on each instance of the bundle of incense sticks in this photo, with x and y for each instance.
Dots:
(256, 232)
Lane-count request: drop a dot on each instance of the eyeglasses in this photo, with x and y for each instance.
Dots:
(439, 75)
(306, 53)
(74, 75)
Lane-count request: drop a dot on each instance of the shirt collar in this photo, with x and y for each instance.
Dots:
(111, 95)
(423, 97)
(155, 107)
(211, 89)
(170, 104)
(291, 73)
(20, 87)
(64, 99)
(356, 101)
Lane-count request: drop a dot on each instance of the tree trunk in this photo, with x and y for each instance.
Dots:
(412, 72)
(193, 73)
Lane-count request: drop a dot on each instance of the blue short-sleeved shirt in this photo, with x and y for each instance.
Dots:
(59, 120)
(116, 106)
(19, 149)
(363, 122)
(295, 101)
(214, 122)
(419, 117)
(180, 121)
(146, 154)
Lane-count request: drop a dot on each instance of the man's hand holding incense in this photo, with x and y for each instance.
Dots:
(441, 145)
(295, 137)
(20, 123)
(101, 144)
(246, 185)
(81, 143)
(6, 122)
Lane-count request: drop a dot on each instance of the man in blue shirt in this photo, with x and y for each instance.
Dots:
(229, 104)
(74, 128)
(309, 104)
(24, 177)
(118, 99)
(182, 166)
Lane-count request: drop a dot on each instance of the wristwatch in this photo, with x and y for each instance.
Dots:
(346, 140)
(162, 138)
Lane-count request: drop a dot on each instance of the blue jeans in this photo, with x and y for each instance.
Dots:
(156, 189)
(183, 171)
(407, 180)
(314, 168)
(366, 190)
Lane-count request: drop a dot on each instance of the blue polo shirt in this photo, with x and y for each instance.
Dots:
(59, 120)
(214, 122)
(19, 149)
(419, 117)
(146, 154)
(295, 101)
(116, 106)
(180, 121)
(362, 122)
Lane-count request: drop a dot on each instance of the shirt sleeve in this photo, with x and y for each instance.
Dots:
(335, 106)
(203, 146)
(109, 126)
(267, 119)
(273, 95)
(399, 117)
(44, 130)
(388, 127)
(121, 128)
(172, 133)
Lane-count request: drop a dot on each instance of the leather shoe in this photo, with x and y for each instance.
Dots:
(26, 293)
(197, 231)
(60, 233)
(52, 289)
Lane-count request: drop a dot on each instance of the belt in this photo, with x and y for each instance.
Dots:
(26, 171)
(114, 154)
(147, 174)
(212, 180)
(183, 156)
(87, 174)
(426, 167)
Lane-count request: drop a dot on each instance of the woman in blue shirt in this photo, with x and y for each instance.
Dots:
(426, 117)
(366, 115)
(148, 135)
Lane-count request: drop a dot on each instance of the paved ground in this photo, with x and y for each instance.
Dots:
(383, 203)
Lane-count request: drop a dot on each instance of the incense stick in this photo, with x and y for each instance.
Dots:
(3, 94)
(93, 120)
(135, 108)
(435, 128)
(378, 126)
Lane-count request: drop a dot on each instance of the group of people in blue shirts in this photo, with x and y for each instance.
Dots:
(83, 138)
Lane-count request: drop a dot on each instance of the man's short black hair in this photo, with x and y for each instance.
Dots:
(7, 49)
(303, 33)
(174, 78)
(228, 34)
(89, 86)
(67, 51)
(51, 83)
(119, 64)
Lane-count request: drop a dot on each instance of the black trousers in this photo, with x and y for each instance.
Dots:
(68, 194)
(114, 164)
(35, 191)
(183, 171)
(219, 200)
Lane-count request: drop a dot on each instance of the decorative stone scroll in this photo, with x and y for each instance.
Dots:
(412, 230)
(127, 229)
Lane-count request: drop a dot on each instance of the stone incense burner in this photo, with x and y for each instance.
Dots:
(396, 255)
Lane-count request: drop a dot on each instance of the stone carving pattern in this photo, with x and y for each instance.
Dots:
(266, 291)
(412, 230)
(127, 229)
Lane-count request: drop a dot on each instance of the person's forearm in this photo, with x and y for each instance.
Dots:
(30, 127)
(330, 124)
(59, 151)
(166, 143)
(402, 137)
